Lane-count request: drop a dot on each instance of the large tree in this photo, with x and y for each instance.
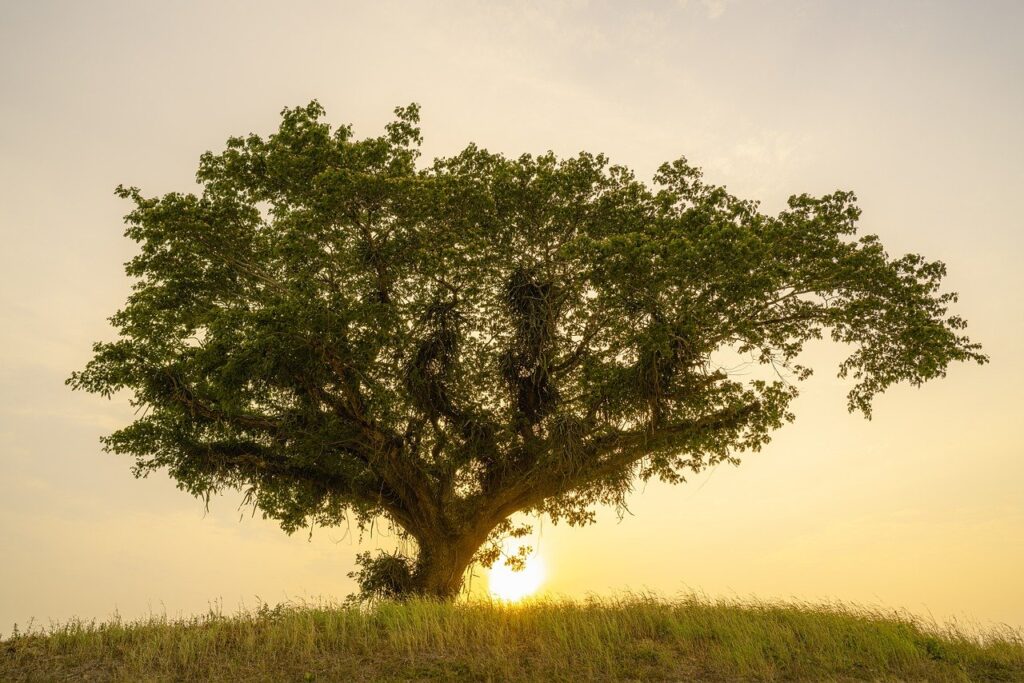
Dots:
(345, 334)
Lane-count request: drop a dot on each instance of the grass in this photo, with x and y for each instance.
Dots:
(628, 638)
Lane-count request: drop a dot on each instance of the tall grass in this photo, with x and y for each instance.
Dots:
(627, 638)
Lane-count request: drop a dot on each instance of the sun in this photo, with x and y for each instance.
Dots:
(510, 586)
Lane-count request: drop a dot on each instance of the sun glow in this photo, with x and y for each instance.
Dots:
(506, 584)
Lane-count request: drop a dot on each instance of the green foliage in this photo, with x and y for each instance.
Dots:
(344, 333)
(632, 638)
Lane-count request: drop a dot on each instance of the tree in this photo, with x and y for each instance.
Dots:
(345, 335)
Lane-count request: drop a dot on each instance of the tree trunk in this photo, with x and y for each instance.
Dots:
(440, 567)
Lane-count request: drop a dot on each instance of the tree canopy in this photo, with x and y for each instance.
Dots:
(344, 333)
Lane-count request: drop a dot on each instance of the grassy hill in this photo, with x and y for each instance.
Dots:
(634, 638)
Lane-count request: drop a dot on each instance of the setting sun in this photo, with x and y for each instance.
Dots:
(506, 584)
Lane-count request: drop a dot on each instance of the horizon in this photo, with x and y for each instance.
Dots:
(916, 108)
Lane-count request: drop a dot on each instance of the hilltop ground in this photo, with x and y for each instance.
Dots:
(633, 638)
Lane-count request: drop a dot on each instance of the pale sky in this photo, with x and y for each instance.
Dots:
(916, 106)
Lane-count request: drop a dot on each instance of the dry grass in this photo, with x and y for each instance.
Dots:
(629, 638)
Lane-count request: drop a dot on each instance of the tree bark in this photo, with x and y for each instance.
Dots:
(440, 566)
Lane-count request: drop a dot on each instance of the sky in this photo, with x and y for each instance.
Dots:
(916, 106)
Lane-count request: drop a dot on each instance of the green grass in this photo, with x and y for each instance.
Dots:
(629, 638)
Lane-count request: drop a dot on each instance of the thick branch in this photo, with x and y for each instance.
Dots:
(251, 460)
(606, 456)
(378, 451)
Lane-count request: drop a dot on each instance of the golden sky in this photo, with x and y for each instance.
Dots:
(916, 106)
